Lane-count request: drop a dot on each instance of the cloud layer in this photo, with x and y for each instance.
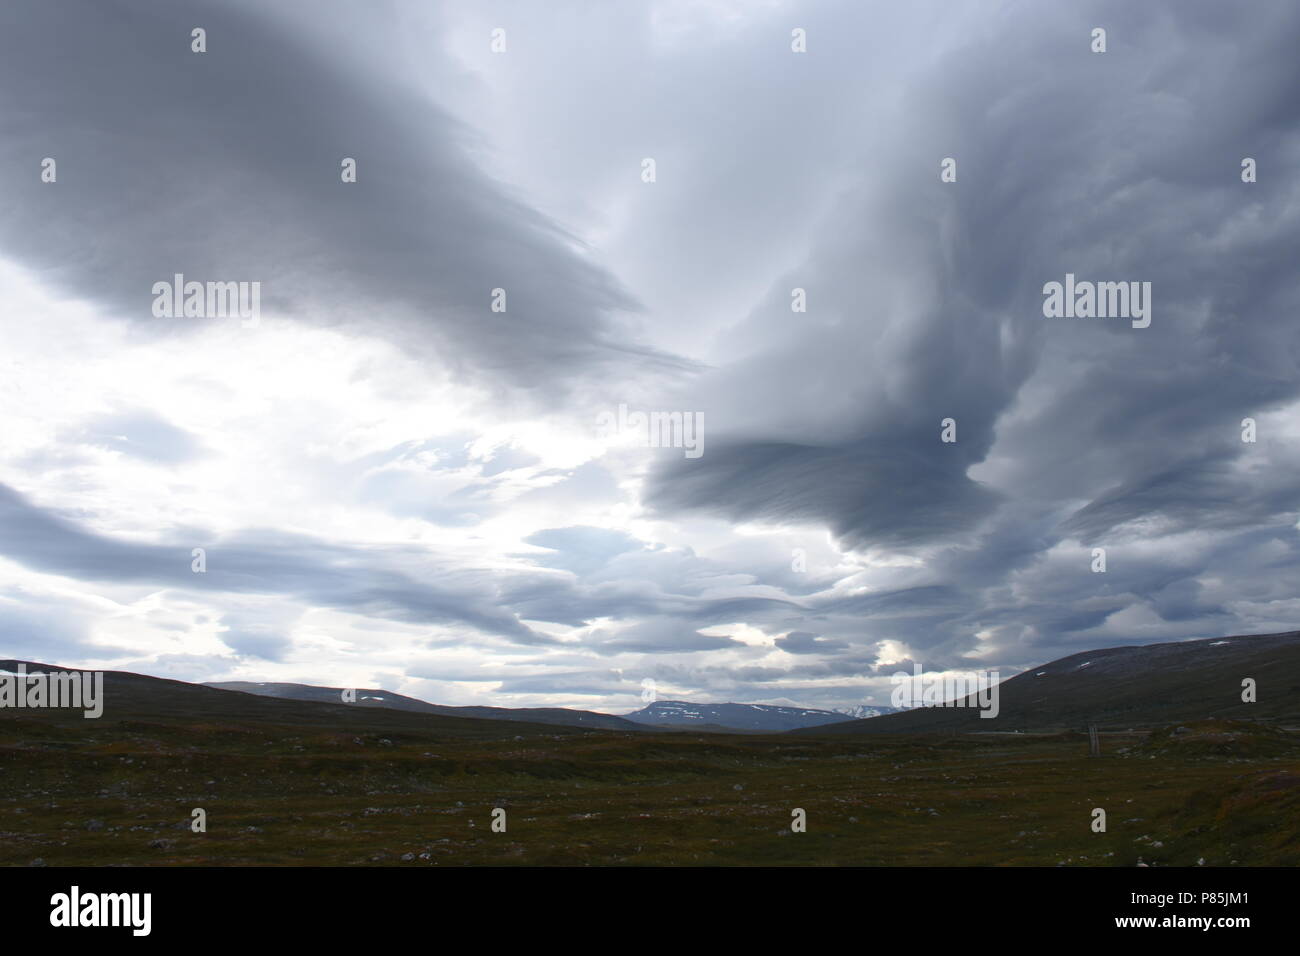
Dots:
(395, 485)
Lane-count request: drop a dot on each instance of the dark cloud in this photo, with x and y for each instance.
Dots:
(660, 636)
(925, 302)
(801, 642)
(324, 574)
(866, 493)
(225, 166)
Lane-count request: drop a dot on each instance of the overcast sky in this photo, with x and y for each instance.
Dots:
(395, 485)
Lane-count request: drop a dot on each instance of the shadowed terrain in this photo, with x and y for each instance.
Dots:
(375, 697)
(295, 782)
(1121, 687)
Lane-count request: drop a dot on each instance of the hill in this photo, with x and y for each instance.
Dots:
(169, 706)
(1122, 687)
(293, 783)
(374, 697)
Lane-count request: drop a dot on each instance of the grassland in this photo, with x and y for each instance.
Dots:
(285, 786)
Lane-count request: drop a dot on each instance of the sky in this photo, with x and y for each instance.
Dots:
(395, 482)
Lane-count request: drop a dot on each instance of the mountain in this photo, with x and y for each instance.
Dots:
(863, 711)
(374, 697)
(1115, 688)
(136, 703)
(1121, 687)
(751, 717)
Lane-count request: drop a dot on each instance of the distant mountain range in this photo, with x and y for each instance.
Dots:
(375, 697)
(754, 717)
(668, 714)
(1114, 688)
(863, 711)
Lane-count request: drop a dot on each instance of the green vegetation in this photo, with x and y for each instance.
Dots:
(292, 783)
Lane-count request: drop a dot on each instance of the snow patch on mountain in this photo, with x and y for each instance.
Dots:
(758, 717)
